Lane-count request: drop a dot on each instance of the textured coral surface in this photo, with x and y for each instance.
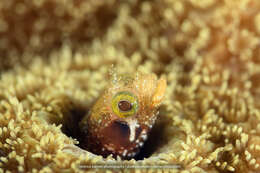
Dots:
(55, 61)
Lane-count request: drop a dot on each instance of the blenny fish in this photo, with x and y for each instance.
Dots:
(122, 117)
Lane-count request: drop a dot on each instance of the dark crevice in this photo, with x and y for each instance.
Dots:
(71, 124)
(155, 140)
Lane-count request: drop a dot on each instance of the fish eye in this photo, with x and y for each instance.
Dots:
(124, 104)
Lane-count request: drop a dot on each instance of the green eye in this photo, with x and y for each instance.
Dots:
(124, 104)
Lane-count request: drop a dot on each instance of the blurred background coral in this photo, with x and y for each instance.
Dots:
(55, 57)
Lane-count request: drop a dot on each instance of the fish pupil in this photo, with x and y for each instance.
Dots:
(124, 105)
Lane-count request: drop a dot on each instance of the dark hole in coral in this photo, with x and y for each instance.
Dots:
(224, 156)
(70, 125)
(2, 153)
(156, 138)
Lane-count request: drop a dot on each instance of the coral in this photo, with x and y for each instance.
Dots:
(55, 61)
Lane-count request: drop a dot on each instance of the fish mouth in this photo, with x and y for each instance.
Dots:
(121, 135)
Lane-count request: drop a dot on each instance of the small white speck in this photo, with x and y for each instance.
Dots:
(124, 153)
(144, 137)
